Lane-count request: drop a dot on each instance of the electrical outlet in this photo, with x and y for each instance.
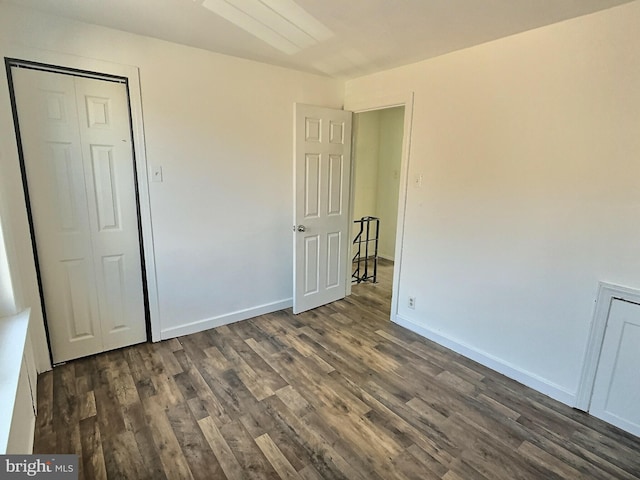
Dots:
(412, 303)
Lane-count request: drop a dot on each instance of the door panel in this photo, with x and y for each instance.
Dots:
(336, 132)
(110, 184)
(311, 265)
(334, 257)
(616, 391)
(322, 171)
(63, 183)
(98, 111)
(114, 293)
(82, 199)
(312, 186)
(55, 176)
(103, 180)
(336, 175)
(79, 311)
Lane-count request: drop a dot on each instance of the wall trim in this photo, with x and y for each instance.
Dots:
(607, 292)
(225, 319)
(514, 372)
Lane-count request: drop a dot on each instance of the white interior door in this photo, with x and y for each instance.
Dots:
(78, 157)
(616, 391)
(322, 172)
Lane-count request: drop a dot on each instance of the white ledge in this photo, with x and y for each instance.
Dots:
(13, 336)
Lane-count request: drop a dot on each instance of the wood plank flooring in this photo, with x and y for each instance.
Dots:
(338, 392)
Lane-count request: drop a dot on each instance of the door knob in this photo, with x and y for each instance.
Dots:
(301, 228)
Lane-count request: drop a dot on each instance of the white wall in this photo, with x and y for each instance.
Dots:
(366, 128)
(529, 148)
(222, 130)
(7, 300)
(389, 159)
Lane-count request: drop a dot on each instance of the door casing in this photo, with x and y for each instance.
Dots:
(403, 99)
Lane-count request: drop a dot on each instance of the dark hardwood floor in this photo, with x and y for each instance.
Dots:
(338, 392)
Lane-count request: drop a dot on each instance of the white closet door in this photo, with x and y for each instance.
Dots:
(78, 158)
(616, 391)
(105, 137)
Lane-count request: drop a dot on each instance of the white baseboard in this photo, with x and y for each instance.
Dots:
(494, 363)
(213, 322)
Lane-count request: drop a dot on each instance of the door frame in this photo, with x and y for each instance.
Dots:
(22, 237)
(381, 103)
(607, 292)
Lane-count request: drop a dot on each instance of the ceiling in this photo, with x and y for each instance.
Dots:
(339, 38)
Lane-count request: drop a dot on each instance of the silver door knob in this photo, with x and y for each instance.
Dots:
(301, 228)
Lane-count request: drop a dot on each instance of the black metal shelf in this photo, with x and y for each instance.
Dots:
(367, 250)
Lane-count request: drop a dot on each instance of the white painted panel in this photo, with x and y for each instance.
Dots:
(105, 188)
(334, 259)
(79, 312)
(312, 186)
(336, 132)
(55, 110)
(616, 390)
(313, 130)
(113, 271)
(311, 264)
(64, 185)
(335, 185)
(624, 394)
(98, 112)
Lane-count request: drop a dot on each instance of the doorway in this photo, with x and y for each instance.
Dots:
(377, 164)
(75, 141)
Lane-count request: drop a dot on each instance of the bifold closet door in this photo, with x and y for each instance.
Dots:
(78, 157)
